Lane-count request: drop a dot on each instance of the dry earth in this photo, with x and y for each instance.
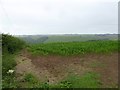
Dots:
(55, 68)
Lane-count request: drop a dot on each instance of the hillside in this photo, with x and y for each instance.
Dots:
(90, 63)
(70, 65)
(67, 38)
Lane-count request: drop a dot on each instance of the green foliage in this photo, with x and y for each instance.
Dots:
(65, 84)
(32, 82)
(11, 44)
(30, 78)
(88, 80)
(45, 85)
(9, 81)
(8, 63)
(74, 48)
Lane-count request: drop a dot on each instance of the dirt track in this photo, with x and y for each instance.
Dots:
(55, 68)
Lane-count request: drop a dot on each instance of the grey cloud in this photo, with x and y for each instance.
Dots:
(45, 17)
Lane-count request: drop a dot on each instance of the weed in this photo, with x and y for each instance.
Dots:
(30, 78)
(88, 80)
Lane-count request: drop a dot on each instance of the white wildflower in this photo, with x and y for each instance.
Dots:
(10, 71)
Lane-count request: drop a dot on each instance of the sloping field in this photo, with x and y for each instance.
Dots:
(33, 39)
(80, 38)
(91, 70)
(91, 64)
(74, 48)
(76, 65)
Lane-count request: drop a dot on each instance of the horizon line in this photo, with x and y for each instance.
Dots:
(63, 34)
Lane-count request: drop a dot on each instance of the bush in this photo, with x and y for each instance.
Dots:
(11, 44)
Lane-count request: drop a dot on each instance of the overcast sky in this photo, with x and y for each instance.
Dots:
(58, 16)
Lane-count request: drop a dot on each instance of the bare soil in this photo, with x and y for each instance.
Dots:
(55, 68)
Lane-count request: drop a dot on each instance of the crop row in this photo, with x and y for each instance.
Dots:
(74, 48)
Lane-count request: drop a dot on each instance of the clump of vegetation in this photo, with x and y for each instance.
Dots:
(30, 78)
(88, 80)
(9, 81)
(10, 45)
(74, 48)
(65, 84)
(30, 81)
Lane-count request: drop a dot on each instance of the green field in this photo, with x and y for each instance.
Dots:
(74, 48)
(80, 38)
(33, 39)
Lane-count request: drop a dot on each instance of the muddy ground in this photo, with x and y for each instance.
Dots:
(55, 68)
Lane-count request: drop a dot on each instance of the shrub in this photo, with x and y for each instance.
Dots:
(11, 44)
